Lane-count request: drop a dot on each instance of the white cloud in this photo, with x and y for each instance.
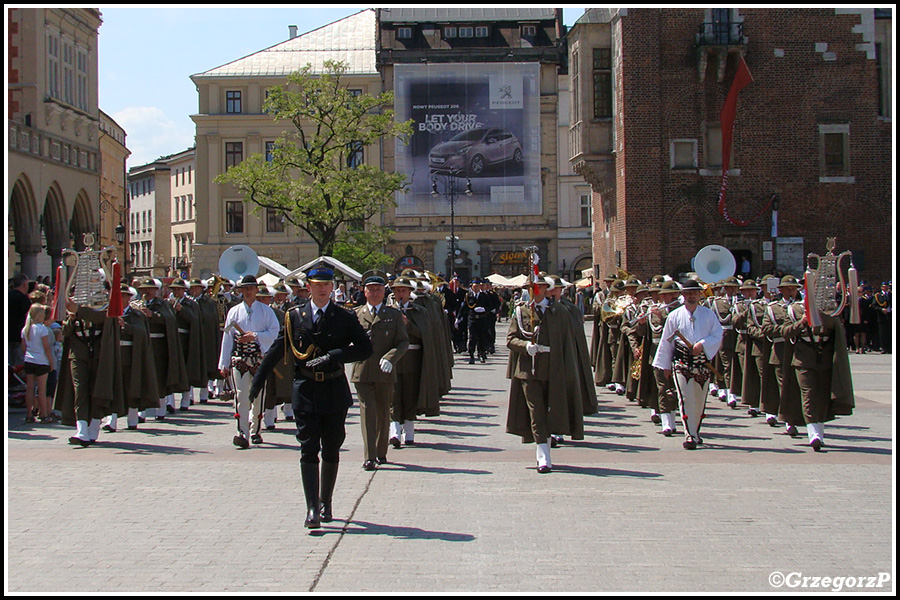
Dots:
(151, 134)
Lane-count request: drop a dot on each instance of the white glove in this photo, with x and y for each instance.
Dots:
(544, 349)
(531, 348)
(479, 309)
(386, 366)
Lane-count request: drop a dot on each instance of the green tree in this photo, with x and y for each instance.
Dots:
(313, 175)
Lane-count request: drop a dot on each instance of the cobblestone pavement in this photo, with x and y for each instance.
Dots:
(174, 507)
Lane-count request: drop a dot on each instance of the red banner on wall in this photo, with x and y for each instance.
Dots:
(742, 79)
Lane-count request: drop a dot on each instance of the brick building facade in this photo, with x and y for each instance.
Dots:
(812, 132)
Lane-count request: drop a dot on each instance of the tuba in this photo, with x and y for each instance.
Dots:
(84, 274)
(712, 264)
(825, 286)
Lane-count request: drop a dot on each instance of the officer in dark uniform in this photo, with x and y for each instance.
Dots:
(476, 313)
(318, 338)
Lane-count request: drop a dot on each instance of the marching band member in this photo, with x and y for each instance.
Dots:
(190, 332)
(250, 328)
(542, 348)
(690, 339)
(821, 365)
(171, 374)
(779, 313)
(212, 341)
(90, 384)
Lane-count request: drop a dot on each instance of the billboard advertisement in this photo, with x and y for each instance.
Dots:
(475, 125)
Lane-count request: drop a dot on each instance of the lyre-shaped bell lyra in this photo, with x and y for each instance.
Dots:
(826, 288)
(85, 273)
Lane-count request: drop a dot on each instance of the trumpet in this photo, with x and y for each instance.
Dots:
(138, 305)
(654, 306)
(616, 308)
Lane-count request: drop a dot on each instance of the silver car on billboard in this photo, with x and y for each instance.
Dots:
(474, 150)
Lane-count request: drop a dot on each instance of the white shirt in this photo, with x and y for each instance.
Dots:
(34, 345)
(318, 313)
(702, 326)
(258, 318)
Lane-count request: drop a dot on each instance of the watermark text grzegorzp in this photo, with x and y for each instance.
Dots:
(797, 580)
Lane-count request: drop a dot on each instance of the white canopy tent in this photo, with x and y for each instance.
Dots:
(514, 282)
(335, 264)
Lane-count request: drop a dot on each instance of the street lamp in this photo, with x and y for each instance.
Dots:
(451, 191)
(120, 234)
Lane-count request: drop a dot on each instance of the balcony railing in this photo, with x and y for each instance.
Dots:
(721, 34)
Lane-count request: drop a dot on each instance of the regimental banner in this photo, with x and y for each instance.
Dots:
(476, 124)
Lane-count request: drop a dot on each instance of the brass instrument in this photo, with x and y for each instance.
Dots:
(221, 301)
(823, 294)
(138, 305)
(84, 273)
(616, 308)
(636, 364)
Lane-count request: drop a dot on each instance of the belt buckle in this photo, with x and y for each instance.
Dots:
(320, 376)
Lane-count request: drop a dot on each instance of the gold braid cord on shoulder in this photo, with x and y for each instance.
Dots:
(290, 341)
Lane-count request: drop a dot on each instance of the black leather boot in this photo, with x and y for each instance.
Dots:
(309, 474)
(329, 476)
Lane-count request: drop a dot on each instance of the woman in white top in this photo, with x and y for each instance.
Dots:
(340, 294)
(36, 347)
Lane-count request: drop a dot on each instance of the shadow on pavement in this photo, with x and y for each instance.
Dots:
(433, 469)
(405, 533)
(602, 472)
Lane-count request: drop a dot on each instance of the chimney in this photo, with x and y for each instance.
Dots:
(292, 30)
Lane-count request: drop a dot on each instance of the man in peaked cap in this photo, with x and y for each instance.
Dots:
(250, 329)
(317, 339)
(690, 339)
(375, 377)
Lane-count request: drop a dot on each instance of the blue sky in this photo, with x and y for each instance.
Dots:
(147, 55)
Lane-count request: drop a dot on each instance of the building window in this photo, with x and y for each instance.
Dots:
(713, 147)
(274, 221)
(481, 31)
(270, 151)
(585, 210)
(404, 33)
(82, 79)
(602, 66)
(683, 154)
(232, 102)
(355, 155)
(466, 32)
(449, 33)
(835, 163)
(190, 206)
(189, 174)
(529, 31)
(53, 66)
(234, 154)
(234, 216)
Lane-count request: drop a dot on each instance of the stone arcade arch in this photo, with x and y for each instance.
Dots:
(54, 223)
(82, 221)
(24, 225)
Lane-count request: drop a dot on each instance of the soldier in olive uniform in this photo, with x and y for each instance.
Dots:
(212, 341)
(779, 313)
(138, 368)
(190, 331)
(375, 377)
